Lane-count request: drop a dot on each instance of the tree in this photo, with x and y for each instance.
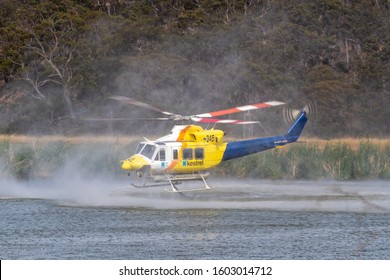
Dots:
(48, 47)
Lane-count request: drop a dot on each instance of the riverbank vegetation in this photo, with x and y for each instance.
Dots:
(60, 61)
(339, 159)
(25, 157)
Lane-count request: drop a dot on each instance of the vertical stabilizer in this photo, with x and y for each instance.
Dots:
(297, 127)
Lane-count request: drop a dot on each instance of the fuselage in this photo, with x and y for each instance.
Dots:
(190, 149)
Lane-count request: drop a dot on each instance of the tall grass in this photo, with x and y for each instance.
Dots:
(25, 158)
(342, 159)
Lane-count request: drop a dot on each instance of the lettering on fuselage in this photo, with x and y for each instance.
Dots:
(210, 138)
(281, 142)
(192, 163)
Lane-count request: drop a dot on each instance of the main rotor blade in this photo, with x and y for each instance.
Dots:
(240, 109)
(125, 119)
(134, 102)
(205, 118)
(209, 120)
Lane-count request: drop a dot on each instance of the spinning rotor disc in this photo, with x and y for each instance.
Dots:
(291, 114)
(201, 118)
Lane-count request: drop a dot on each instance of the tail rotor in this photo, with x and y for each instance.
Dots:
(291, 114)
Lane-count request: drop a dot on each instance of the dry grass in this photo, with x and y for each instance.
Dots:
(353, 143)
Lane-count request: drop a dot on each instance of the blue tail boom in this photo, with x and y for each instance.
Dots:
(246, 147)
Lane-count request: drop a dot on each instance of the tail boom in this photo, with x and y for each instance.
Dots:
(247, 147)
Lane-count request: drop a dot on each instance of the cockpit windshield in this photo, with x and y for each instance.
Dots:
(148, 151)
(139, 148)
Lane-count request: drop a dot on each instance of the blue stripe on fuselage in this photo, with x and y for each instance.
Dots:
(247, 147)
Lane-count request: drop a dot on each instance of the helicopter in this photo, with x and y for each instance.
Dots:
(188, 152)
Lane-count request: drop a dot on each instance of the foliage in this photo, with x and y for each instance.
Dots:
(334, 160)
(62, 59)
(339, 160)
(46, 158)
(21, 161)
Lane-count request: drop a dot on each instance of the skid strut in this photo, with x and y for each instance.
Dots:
(205, 183)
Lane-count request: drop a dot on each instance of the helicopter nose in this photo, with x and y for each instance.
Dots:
(135, 162)
(126, 165)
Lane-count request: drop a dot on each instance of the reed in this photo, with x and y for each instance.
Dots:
(339, 159)
(342, 159)
(30, 157)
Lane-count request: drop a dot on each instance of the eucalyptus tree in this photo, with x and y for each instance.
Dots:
(43, 45)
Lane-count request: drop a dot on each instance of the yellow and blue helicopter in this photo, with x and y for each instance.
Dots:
(189, 151)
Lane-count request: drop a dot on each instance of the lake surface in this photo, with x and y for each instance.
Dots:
(76, 218)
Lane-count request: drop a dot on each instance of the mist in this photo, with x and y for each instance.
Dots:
(85, 172)
(71, 190)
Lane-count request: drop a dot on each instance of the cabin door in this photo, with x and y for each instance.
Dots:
(160, 161)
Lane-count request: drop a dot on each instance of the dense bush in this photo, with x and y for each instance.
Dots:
(60, 60)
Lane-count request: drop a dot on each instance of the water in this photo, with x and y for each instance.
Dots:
(241, 219)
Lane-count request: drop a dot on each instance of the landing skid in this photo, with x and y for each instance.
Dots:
(152, 185)
(172, 181)
(145, 186)
(174, 189)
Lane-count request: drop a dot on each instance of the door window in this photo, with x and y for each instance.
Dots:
(162, 154)
(199, 153)
(187, 154)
